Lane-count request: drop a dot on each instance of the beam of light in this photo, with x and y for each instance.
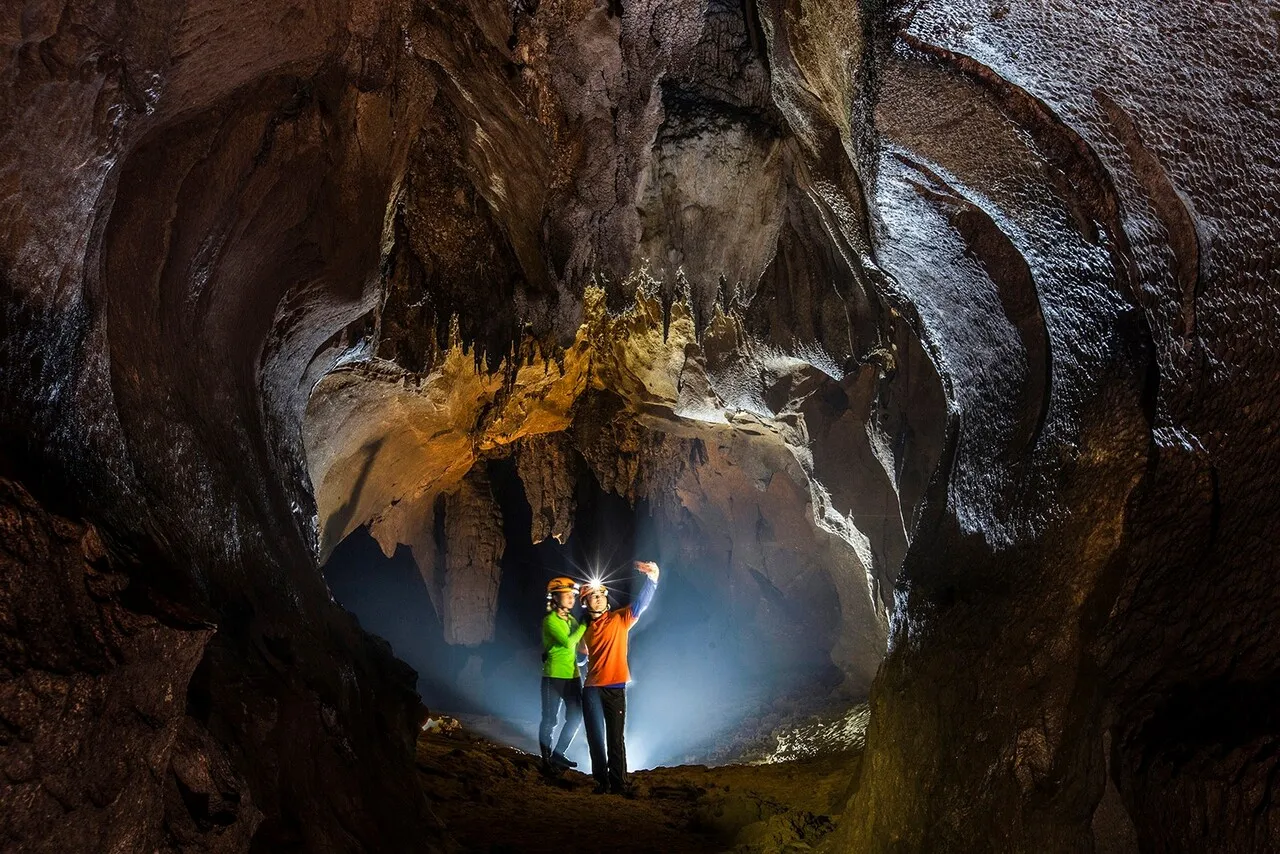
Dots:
(706, 687)
(603, 576)
(596, 574)
(638, 753)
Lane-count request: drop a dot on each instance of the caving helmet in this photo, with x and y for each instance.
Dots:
(561, 584)
(589, 587)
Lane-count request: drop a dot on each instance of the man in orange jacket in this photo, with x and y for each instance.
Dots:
(605, 695)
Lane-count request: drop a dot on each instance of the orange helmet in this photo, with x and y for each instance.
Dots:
(561, 584)
(589, 587)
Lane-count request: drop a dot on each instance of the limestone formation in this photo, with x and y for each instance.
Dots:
(956, 318)
(472, 550)
(546, 466)
(697, 432)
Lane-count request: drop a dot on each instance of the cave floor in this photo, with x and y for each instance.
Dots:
(492, 798)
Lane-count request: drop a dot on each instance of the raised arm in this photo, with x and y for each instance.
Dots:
(645, 596)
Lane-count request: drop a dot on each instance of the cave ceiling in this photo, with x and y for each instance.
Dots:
(673, 232)
(973, 303)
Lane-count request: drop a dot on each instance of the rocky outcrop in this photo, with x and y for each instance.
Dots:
(979, 297)
(97, 750)
(132, 722)
(626, 458)
(194, 202)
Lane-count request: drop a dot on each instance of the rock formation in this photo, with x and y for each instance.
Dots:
(956, 317)
(642, 408)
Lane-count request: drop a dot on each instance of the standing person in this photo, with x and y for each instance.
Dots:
(561, 683)
(605, 695)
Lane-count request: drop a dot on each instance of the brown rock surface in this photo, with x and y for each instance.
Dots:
(494, 797)
(193, 199)
(546, 467)
(96, 750)
(973, 304)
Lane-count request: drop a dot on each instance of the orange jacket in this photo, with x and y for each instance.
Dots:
(606, 646)
(606, 641)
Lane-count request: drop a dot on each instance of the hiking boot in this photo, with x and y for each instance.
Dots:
(548, 766)
(563, 761)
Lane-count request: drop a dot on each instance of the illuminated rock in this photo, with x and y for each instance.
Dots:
(972, 303)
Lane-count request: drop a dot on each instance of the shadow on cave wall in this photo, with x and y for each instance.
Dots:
(707, 684)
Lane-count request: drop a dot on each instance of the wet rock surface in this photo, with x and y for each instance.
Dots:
(975, 301)
(193, 201)
(1123, 144)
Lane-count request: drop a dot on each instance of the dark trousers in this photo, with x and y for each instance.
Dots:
(557, 693)
(606, 718)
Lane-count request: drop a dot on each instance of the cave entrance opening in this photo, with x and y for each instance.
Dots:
(722, 658)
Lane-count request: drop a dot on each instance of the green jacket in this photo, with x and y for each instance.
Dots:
(559, 646)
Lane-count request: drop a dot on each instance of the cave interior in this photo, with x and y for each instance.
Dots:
(929, 347)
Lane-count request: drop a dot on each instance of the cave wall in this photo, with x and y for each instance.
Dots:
(194, 202)
(98, 753)
(1010, 266)
(1100, 291)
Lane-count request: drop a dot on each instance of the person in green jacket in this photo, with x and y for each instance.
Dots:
(561, 682)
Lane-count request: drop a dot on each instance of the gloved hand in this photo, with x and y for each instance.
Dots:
(648, 568)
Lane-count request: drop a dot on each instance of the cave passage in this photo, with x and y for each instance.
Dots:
(932, 349)
(709, 685)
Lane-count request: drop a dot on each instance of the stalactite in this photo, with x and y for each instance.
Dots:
(472, 560)
(548, 468)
